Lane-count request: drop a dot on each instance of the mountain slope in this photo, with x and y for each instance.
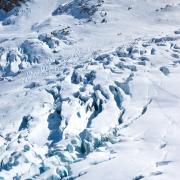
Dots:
(89, 90)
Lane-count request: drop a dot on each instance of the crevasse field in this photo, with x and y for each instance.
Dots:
(90, 90)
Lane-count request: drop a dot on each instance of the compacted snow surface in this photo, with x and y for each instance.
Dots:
(89, 89)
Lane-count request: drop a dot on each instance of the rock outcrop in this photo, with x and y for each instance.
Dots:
(8, 5)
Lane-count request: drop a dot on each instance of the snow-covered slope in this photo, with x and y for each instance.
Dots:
(89, 89)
